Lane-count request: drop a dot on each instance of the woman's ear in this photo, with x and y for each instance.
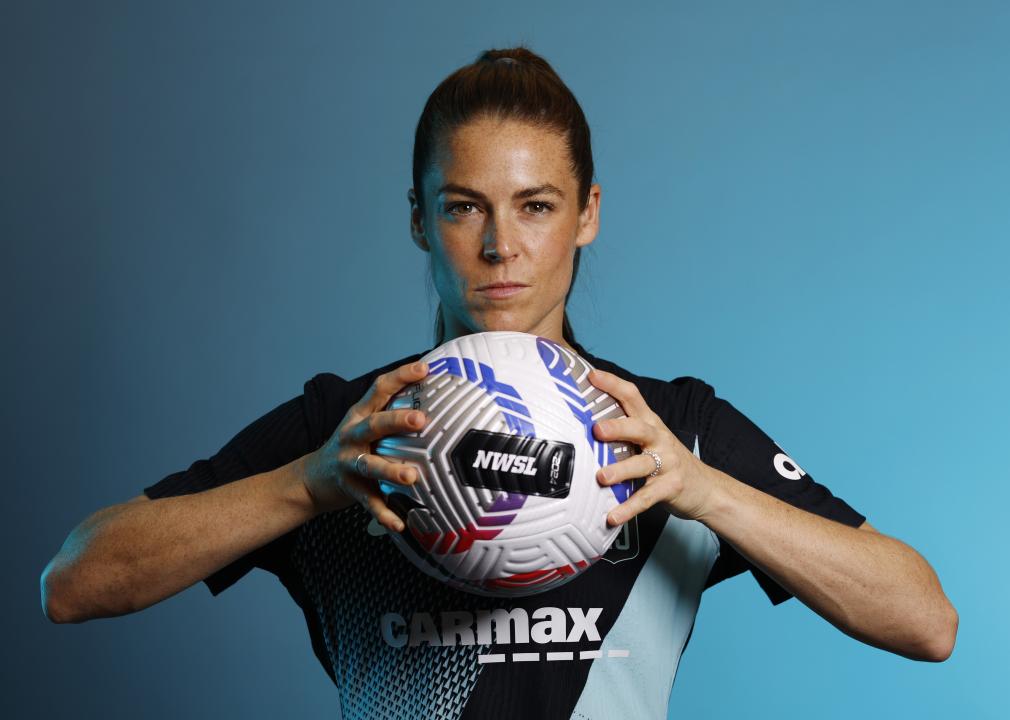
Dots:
(417, 222)
(589, 218)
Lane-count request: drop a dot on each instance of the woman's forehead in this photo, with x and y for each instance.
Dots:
(501, 152)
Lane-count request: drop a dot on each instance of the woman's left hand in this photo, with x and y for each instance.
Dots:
(683, 484)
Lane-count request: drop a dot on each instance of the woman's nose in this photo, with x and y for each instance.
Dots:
(498, 246)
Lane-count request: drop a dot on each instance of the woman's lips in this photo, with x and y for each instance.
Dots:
(499, 291)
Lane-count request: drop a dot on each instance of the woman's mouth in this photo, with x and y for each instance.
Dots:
(501, 289)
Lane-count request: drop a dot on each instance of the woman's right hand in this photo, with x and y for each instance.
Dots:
(334, 475)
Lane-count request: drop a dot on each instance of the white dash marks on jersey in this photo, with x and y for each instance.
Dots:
(491, 658)
(525, 657)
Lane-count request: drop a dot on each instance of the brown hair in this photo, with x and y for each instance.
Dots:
(514, 84)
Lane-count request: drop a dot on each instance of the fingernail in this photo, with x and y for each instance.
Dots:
(419, 367)
(414, 418)
(398, 526)
(602, 475)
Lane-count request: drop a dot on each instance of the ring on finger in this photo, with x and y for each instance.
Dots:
(357, 466)
(656, 459)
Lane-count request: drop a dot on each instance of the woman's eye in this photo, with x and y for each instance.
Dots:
(465, 208)
(455, 209)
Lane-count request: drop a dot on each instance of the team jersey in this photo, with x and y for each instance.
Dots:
(398, 643)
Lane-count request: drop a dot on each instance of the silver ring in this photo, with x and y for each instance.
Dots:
(357, 468)
(655, 459)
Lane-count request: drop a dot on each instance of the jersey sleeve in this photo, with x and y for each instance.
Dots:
(731, 442)
(289, 431)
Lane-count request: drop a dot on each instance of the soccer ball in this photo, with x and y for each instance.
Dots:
(507, 502)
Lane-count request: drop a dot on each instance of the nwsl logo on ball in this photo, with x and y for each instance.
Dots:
(514, 463)
(505, 462)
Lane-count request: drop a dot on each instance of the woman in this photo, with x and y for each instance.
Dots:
(502, 202)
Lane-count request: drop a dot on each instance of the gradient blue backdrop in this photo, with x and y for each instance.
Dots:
(804, 204)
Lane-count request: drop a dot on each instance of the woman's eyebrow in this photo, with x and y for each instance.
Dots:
(546, 188)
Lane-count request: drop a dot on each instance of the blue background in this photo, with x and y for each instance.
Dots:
(804, 204)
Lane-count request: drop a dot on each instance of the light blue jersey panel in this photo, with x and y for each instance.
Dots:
(652, 628)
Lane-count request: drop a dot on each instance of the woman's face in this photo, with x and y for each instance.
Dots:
(502, 209)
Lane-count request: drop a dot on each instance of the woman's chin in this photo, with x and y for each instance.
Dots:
(500, 328)
(505, 325)
(500, 322)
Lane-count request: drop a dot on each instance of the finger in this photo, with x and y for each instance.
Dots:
(376, 467)
(642, 499)
(382, 423)
(632, 468)
(371, 498)
(388, 384)
(626, 393)
(383, 514)
(631, 428)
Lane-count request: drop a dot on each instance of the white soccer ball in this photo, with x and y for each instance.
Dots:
(507, 503)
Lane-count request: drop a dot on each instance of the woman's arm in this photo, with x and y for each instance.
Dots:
(126, 557)
(870, 586)
(129, 556)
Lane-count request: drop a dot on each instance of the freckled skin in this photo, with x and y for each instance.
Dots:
(474, 241)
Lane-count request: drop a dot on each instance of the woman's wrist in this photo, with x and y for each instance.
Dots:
(319, 489)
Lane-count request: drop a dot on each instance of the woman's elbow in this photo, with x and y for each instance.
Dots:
(940, 644)
(54, 601)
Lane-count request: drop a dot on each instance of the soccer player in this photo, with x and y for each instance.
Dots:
(502, 203)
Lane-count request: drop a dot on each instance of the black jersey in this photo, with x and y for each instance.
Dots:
(400, 644)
